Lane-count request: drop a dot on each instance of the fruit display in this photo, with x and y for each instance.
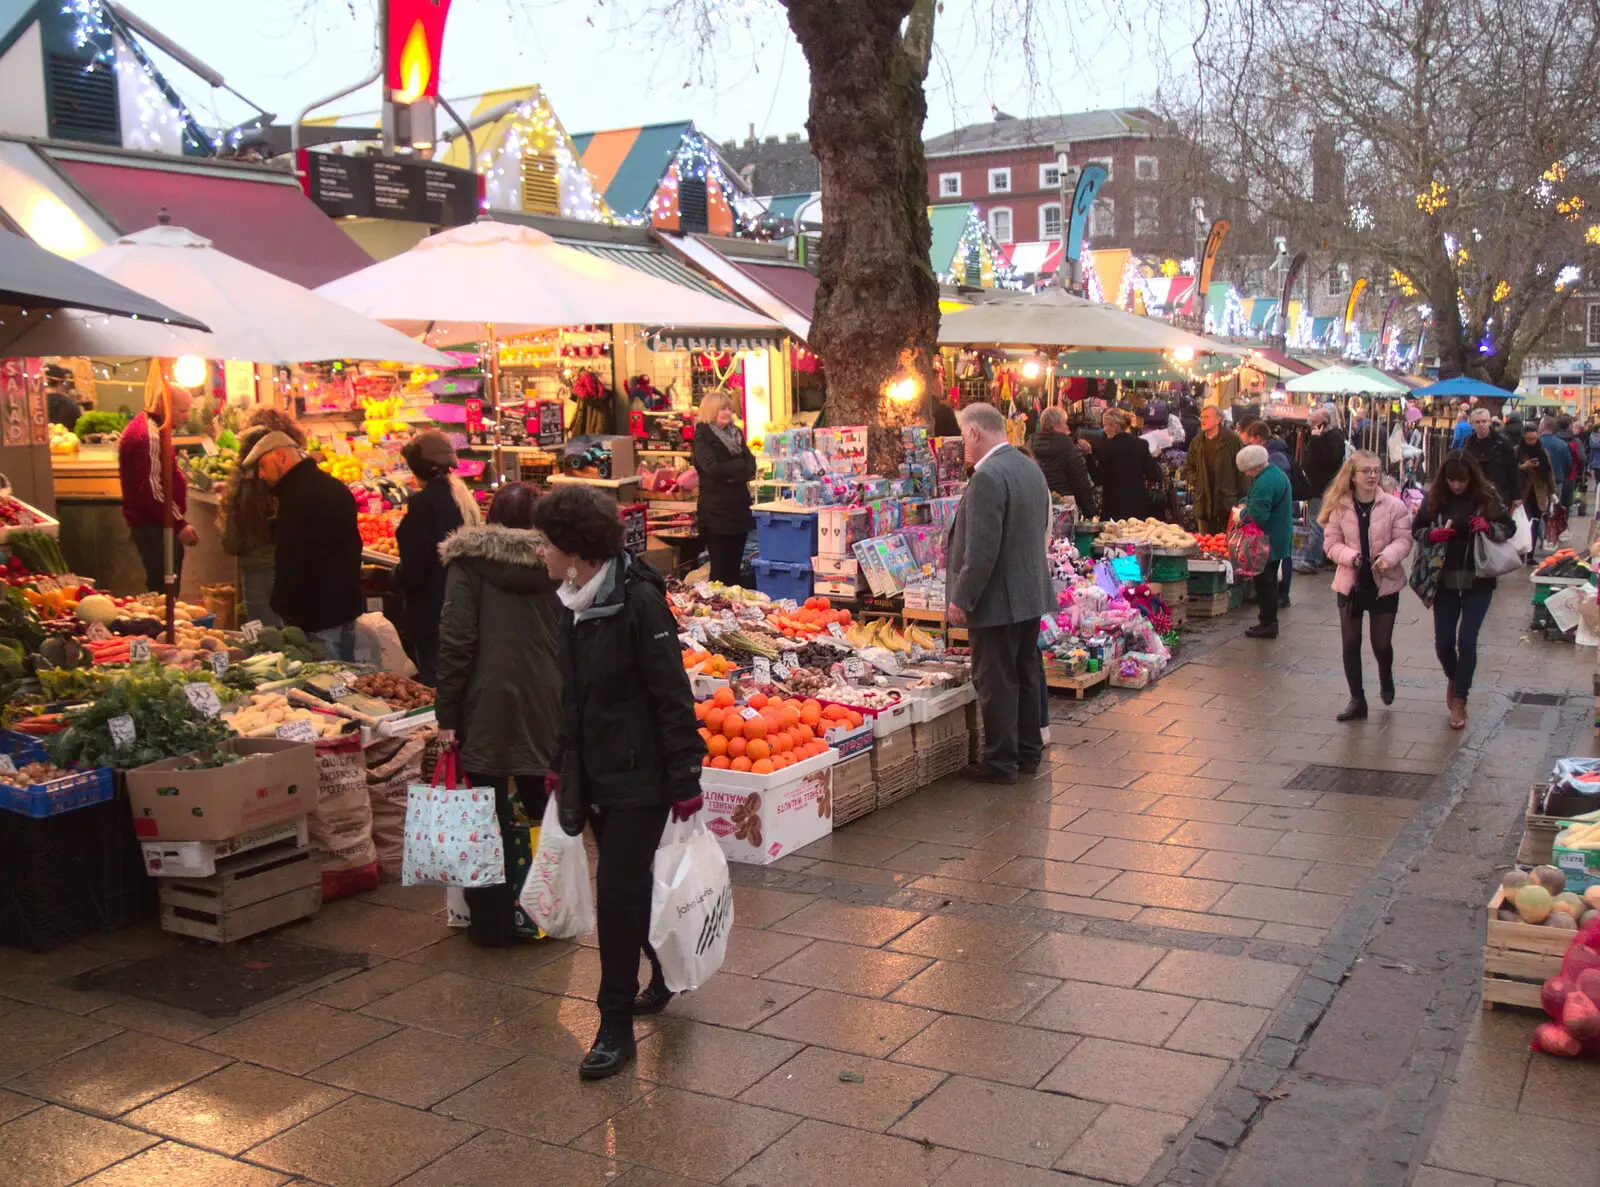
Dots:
(63, 440)
(99, 424)
(1216, 545)
(205, 471)
(809, 620)
(1540, 897)
(1157, 533)
(705, 663)
(1564, 563)
(345, 467)
(395, 691)
(763, 735)
(880, 632)
(847, 697)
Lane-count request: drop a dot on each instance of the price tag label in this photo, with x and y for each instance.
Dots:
(761, 669)
(219, 663)
(98, 632)
(727, 617)
(698, 630)
(139, 649)
(748, 713)
(7, 767)
(203, 697)
(855, 669)
(341, 446)
(338, 691)
(208, 447)
(782, 670)
(122, 731)
(46, 584)
(252, 630)
(296, 731)
(836, 630)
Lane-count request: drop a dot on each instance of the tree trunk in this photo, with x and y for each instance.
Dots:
(877, 307)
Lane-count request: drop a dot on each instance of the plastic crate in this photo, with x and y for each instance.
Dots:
(789, 537)
(66, 794)
(1169, 568)
(783, 579)
(67, 876)
(22, 748)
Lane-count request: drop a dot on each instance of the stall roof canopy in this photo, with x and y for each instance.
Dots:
(794, 284)
(948, 222)
(784, 292)
(34, 278)
(650, 261)
(252, 215)
(1283, 362)
(627, 164)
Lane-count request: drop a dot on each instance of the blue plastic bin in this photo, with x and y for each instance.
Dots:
(787, 536)
(67, 794)
(780, 579)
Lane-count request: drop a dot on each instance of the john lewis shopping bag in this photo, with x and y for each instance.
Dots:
(452, 834)
(1249, 549)
(556, 893)
(691, 906)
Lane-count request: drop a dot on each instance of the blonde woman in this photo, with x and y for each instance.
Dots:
(725, 467)
(1123, 466)
(1367, 533)
(442, 505)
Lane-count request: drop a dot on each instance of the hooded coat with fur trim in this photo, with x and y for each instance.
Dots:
(499, 645)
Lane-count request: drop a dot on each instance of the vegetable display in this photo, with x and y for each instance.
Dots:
(39, 552)
(165, 725)
(99, 422)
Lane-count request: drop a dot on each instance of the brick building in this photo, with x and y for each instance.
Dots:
(1008, 169)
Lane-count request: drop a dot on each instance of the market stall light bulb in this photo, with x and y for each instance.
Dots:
(1031, 369)
(1184, 354)
(189, 370)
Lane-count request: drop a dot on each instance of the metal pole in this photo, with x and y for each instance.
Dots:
(168, 560)
(494, 393)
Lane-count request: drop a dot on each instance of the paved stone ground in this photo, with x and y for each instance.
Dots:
(1160, 962)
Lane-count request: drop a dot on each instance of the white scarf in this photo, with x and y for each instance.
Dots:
(579, 598)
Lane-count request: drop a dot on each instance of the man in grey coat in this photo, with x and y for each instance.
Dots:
(999, 588)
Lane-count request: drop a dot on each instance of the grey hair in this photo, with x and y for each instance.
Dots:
(986, 418)
(1252, 457)
(1335, 421)
(1052, 419)
(1547, 425)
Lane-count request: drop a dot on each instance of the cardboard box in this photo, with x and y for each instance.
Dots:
(221, 802)
(943, 728)
(759, 818)
(892, 749)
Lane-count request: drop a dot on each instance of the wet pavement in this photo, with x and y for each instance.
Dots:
(1174, 957)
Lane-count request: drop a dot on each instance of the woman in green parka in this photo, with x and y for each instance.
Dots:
(1269, 506)
(499, 694)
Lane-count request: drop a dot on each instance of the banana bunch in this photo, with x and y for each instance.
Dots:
(921, 638)
(878, 633)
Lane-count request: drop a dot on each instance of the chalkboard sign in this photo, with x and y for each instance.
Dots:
(549, 430)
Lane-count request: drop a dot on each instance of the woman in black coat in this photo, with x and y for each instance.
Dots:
(1125, 466)
(725, 466)
(1058, 455)
(442, 505)
(631, 742)
(498, 645)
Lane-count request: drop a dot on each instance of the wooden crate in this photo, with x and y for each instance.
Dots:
(248, 894)
(1212, 606)
(1180, 613)
(1518, 958)
(855, 791)
(1078, 685)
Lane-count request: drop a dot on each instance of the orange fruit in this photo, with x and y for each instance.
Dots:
(720, 762)
(713, 718)
(722, 697)
(740, 764)
(700, 708)
(756, 727)
(782, 744)
(733, 725)
(757, 701)
(716, 744)
(757, 749)
(855, 720)
(789, 715)
(805, 731)
(761, 767)
(736, 747)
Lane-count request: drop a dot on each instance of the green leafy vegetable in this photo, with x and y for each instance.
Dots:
(38, 551)
(165, 725)
(100, 422)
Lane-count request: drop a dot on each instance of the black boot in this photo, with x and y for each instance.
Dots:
(1386, 687)
(1355, 710)
(613, 1049)
(1262, 630)
(653, 1000)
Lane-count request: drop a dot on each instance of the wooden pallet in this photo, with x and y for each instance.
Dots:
(1079, 685)
(248, 894)
(1212, 606)
(1518, 958)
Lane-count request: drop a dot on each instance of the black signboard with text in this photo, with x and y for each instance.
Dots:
(384, 187)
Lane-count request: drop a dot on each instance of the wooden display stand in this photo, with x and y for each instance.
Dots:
(248, 894)
(1078, 685)
(1518, 958)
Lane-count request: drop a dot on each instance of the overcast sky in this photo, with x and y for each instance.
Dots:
(283, 54)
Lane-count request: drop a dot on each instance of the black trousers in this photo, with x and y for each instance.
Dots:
(147, 542)
(726, 553)
(1009, 677)
(493, 908)
(1266, 583)
(628, 839)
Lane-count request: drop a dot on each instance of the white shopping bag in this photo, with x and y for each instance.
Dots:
(456, 911)
(556, 893)
(1522, 538)
(452, 835)
(691, 906)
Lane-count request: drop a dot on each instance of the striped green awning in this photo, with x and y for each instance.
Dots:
(654, 263)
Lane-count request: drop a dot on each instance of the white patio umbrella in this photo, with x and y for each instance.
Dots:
(492, 279)
(1340, 380)
(1057, 319)
(254, 316)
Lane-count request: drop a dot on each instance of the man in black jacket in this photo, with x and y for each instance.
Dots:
(1062, 461)
(316, 583)
(1495, 458)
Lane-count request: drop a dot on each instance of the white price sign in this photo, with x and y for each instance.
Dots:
(782, 670)
(761, 669)
(252, 630)
(836, 630)
(296, 731)
(98, 632)
(698, 630)
(122, 731)
(7, 767)
(748, 713)
(338, 692)
(855, 669)
(203, 697)
(139, 649)
(219, 663)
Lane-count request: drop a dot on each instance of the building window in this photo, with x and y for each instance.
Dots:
(949, 185)
(1594, 324)
(1335, 281)
(1000, 223)
(1000, 181)
(1050, 221)
(1050, 176)
(1103, 162)
(1146, 216)
(1146, 169)
(1103, 219)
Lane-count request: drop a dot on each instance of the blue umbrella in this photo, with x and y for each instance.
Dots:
(1462, 387)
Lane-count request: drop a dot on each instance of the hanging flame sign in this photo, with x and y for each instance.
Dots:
(415, 41)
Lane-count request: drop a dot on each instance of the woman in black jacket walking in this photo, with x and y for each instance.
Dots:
(442, 505)
(1125, 465)
(498, 668)
(725, 466)
(1462, 505)
(1324, 455)
(1058, 455)
(632, 748)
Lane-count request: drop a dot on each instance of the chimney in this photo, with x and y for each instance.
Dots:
(751, 138)
(772, 140)
(792, 138)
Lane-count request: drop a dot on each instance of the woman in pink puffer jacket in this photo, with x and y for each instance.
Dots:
(1367, 533)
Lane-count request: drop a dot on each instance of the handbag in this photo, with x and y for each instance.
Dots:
(1425, 571)
(691, 906)
(1494, 558)
(1249, 549)
(452, 835)
(556, 893)
(1522, 538)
